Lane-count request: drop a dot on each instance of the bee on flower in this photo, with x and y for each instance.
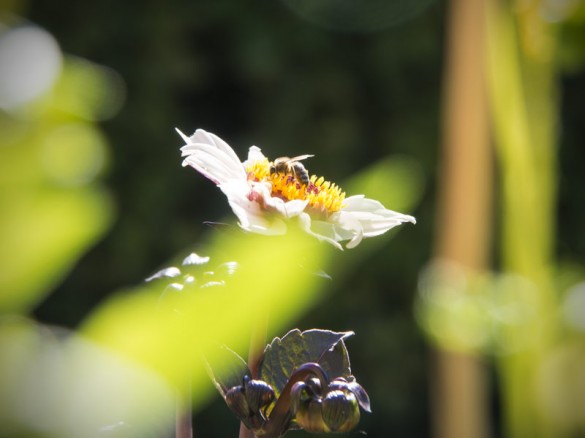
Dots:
(265, 195)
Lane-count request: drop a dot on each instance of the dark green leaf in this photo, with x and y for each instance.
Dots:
(283, 355)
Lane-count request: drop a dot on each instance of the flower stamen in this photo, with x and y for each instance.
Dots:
(324, 197)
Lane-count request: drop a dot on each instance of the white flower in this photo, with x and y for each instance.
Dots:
(264, 200)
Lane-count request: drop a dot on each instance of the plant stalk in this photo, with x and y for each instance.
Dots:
(255, 354)
(183, 419)
(463, 236)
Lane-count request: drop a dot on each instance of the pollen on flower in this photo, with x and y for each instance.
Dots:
(324, 197)
(258, 170)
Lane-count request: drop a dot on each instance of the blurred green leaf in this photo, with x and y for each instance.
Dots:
(56, 384)
(51, 209)
(274, 280)
(88, 90)
(396, 181)
(43, 233)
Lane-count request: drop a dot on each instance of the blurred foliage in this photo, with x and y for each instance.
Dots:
(516, 314)
(254, 73)
(51, 153)
(57, 384)
(169, 333)
(477, 312)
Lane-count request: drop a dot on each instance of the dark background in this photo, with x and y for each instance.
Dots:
(258, 73)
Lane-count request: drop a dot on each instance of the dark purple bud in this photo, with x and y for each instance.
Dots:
(341, 412)
(236, 400)
(309, 417)
(300, 395)
(361, 395)
(259, 394)
(355, 388)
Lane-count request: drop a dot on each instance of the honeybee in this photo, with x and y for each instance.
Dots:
(291, 166)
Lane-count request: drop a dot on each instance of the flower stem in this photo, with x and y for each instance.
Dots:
(255, 354)
(183, 416)
(257, 346)
(183, 420)
(281, 415)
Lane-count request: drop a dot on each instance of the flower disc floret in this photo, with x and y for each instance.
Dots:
(323, 197)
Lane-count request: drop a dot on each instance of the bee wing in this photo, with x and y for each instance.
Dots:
(301, 157)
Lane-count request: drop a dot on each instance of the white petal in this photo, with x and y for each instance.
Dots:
(287, 209)
(254, 154)
(378, 223)
(361, 203)
(367, 218)
(202, 136)
(347, 222)
(295, 207)
(324, 231)
(214, 168)
(183, 136)
(212, 157)
(255, 220)
(251, 215)
(366, 210)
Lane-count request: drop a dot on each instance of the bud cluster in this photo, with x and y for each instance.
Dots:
(249, 401)
(331, 409)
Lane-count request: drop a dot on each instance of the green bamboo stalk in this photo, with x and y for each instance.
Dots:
(523, 103)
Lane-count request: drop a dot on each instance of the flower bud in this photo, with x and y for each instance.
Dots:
(355, 388)
(236, 400)
(309, 416)
(341, 412)
(299, 395)
(259, 394)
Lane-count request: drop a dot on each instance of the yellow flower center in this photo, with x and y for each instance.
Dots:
(324, 197)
